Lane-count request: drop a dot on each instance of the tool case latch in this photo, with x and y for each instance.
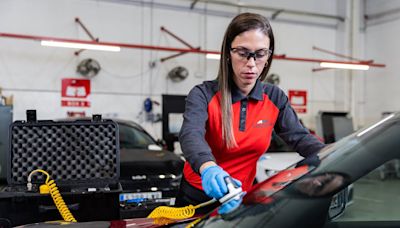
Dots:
(31, 116)
(96, 118)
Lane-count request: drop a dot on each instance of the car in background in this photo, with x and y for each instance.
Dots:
(149, 174)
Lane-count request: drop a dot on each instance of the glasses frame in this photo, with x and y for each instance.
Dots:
(250, 54)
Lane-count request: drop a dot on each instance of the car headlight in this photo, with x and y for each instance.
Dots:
(176, 180)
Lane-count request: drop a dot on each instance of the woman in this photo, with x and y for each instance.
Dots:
(228, 122)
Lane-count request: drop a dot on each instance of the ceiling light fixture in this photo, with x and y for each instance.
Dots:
(98, 47)
(344, 66)
(213, 56)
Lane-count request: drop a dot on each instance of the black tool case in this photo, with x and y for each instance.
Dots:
(81, 156)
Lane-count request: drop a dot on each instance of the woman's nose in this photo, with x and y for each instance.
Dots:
(251, 61)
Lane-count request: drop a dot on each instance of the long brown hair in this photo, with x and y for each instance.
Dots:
(241, 23)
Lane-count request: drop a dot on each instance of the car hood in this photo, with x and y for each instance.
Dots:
(149, 162)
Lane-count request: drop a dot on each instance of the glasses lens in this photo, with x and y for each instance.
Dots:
(244, 54)
(263, 53)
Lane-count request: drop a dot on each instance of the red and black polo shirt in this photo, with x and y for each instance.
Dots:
(253, 118)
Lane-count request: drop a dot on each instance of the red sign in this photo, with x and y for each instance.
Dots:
(75, 103)
(298, 100)
(75, 88)
(74, 92)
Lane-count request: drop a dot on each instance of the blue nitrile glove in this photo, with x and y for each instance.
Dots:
(233, 204)
(213, 181)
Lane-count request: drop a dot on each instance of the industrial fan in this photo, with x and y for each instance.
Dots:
(273, 79)
(178, 74)
(88, 68)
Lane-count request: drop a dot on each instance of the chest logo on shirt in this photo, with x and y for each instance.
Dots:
(263, 124)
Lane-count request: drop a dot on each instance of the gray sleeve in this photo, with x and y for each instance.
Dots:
(192, 134)
(289, 128)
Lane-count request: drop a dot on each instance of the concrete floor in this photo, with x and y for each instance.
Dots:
(375, 199)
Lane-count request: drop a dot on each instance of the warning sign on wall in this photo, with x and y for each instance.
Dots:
(298, 100)
(74, 92)
(76, 88)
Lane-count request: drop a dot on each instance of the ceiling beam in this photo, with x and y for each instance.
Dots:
(175, 49)
(272, 9)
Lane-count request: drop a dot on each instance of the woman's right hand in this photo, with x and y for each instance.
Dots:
(213, 181)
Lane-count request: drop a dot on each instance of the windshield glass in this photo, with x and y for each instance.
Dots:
(262, 192)
(133, 138)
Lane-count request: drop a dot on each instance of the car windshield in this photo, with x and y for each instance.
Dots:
(131, 137)
(297, 190)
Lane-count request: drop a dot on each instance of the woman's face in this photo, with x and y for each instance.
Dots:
(249, 54)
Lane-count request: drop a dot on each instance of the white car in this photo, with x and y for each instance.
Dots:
(279, 156)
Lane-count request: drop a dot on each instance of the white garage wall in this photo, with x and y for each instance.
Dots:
(382, 35)
(33, 73)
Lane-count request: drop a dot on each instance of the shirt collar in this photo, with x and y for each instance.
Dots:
(256, 93)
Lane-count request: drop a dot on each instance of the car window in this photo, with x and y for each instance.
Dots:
(375, 197)
(133, 138)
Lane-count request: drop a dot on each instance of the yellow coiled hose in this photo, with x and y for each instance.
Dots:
(55, 194)
(163, 213)
(173, 212)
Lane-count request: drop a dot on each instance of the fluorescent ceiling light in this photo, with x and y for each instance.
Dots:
(80, 45)
(344, 66)
(213, 56)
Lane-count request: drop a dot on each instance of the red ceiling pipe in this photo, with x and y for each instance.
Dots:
(162, 48)
(180, 40)
(176, 37)
(125, 45)
(77, 20)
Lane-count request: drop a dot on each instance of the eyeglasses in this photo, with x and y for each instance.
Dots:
(259, 55)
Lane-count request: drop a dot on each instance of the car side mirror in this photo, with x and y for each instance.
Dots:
(162, 143)
(154, 147)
